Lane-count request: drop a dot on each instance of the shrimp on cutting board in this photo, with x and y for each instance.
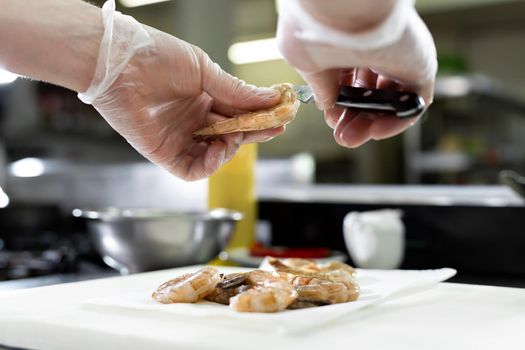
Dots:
(329, 283)
(231, 285)
(324, 291)
(268, 118)
(270, 292)
(188, 288)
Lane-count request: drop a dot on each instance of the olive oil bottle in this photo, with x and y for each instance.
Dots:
(233, 187)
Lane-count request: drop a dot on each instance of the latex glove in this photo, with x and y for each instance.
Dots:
(156, 90)
(398, 54)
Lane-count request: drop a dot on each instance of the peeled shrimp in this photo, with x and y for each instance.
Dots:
(306, 265)
(337, 266)
(334, 270)
(188, 288)
(263, 299)
(332, 283)
(296, 283)
(299, 265)
(321, 290)
(269, 118)
(270, 293)
(231, 285)
(302, 304)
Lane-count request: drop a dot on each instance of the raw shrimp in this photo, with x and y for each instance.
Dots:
(337, 266)
(320, 290)
(296, 283)
(309, 266)
(188, 288)
(223, 296)
(231, 285)
(332, 283)
(334, 270)
(302, 304)
(295, 267)
(263, 299)
(270, 293)
(306, 265)
(269, 118)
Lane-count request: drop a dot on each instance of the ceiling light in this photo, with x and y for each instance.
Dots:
(453, 86)
(136, 3)
(7, 77)
(27, 167)
(254, 51)
(4, 202)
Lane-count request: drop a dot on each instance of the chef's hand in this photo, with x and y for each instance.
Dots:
(380, 44)
(156, 90)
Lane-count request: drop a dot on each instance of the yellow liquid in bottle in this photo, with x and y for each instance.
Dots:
(233, 187)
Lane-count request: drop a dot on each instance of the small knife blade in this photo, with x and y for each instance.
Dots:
(402, 104)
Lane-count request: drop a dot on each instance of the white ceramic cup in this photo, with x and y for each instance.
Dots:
(375, 239)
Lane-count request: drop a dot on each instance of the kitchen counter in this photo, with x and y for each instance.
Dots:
(53, 279)
(447, 316)
(437, 195)
(478, 230)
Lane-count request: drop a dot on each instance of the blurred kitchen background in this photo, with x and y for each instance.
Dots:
(57, 153)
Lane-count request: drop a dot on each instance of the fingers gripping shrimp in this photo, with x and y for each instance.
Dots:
(270, 293)
(269, 118)
(188, 288)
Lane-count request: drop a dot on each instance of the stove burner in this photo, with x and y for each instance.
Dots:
(24, 264)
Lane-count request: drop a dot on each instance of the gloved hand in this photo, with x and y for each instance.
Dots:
(398, 54)
(156, 90)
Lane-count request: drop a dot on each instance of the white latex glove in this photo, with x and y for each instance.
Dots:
(156, 90)
(398, 54)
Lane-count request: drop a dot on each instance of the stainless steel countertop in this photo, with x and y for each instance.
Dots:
(53, 279)
(491, 196)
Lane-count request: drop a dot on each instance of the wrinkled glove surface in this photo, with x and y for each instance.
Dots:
(156, 90)
(398, 54)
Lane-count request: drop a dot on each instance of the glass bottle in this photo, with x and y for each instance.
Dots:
(233, 187)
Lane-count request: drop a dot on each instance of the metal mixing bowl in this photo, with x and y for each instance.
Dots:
(137, 240)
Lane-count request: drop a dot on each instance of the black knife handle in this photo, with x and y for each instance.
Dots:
(403, 104)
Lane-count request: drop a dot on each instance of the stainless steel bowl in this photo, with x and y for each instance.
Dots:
(137, 240)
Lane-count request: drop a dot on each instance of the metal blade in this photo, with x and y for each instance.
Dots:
(304, 93)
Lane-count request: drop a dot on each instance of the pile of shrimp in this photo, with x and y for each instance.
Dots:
(283, 113)
(293, 284)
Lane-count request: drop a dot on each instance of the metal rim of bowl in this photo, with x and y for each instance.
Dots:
(118, 214)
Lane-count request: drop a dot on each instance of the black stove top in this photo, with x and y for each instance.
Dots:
(41, 240)
(25, 264)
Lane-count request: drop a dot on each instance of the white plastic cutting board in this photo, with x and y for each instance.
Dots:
(111, 314)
